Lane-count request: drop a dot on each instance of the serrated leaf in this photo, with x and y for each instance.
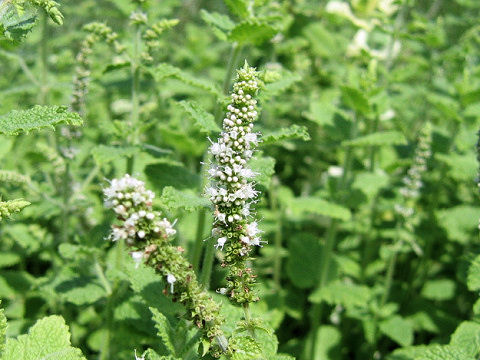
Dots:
(251, 32)
(384, 138)
(49, 339)
(14, 25)
(182, 199)
(103, 154)
(163, 330)
(467, 337)
(473, 276)
(317, 206)
(163, 71)
(398, 329)
(220, 23)
(204, 121)
(248, 348)
(38, 117)
(288, 133)
(264, 167)
(439, 289)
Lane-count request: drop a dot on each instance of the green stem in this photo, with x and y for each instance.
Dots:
(135, 73)
(197, 250)
(208, 258)
(317, 309)
(248, 318)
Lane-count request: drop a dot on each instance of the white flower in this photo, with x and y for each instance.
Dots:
(252, 229)
(141, 234)
(221, 242)
(387, 115)
(137, 257)
(335, 171)
(171, 279)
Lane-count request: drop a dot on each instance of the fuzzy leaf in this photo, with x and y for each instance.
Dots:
(398, 329)
(459, 222)
(317, 206)
(204, 121)
(13, 25)
(163, 327)
(103, 154)
(385, 138)
(38, 117)
(445, 352)
(250, 348)
(49, 339)
(288, 133)
(182, 199)
(467, 337)
(219, 23)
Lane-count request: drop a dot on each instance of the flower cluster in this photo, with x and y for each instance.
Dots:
(148, 236)
(412, 182)
(232, 191)
(96, 32)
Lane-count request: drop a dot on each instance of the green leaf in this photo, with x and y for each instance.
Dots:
(264, 167)
(348, 295)
(220, 23)
(473, 277)
(355, 100)
(15, 25)
(439, 289)
(328, 343)
(163, 71)
(238, 7)
(275, 88)
(398, 329)
(384, 138)
(204, 121)
(9, 258)
(248, 348)
(252, 32)
(289, 133)
(304, 264)
(467, 337)
(459, 222)
(445, 352)
(3, 331)
(171, 174)
(317, 206)
(38, 117)
(182, 199)
(103, 154)
(48, 339)
(164, 330)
